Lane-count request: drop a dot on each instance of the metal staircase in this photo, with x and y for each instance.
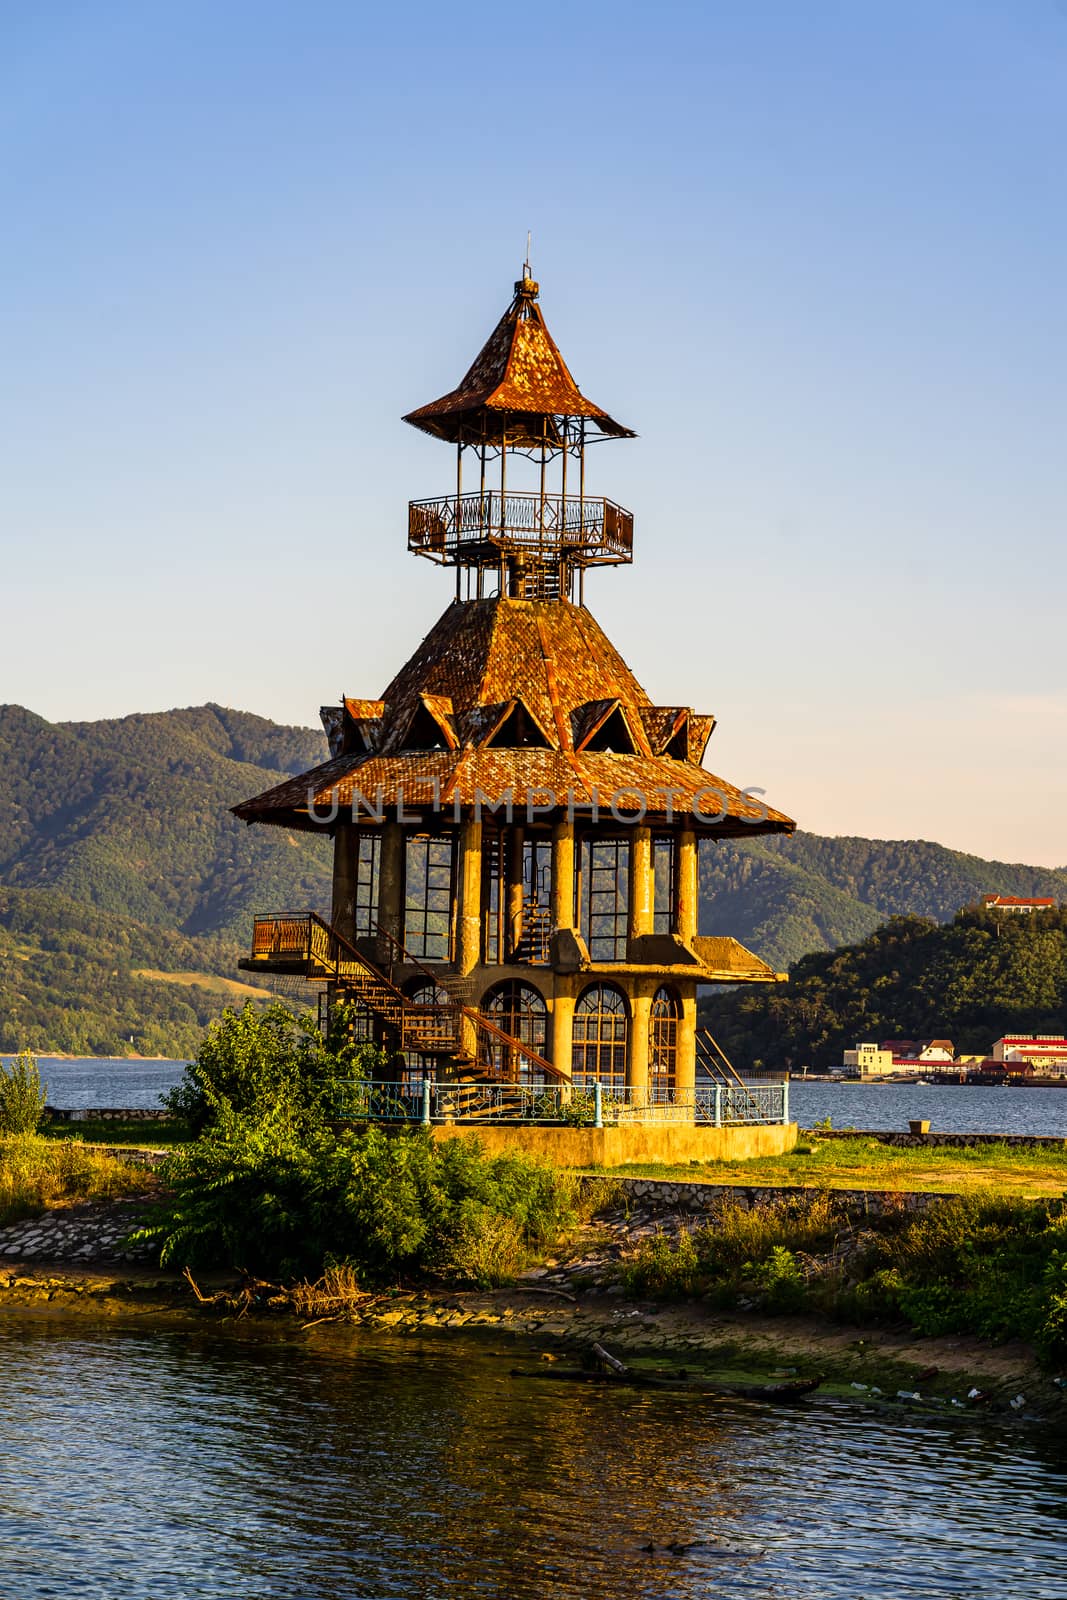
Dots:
(306, 946)
(716, 1066)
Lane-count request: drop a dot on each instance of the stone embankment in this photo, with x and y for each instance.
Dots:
(926, 1141)
(85, 1234)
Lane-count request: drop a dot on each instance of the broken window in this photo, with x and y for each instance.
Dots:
(604, 897)
(601, 1027)
(519, 1010)
(428, 897)
(663, 886)
(663, 1046)
(365, 902)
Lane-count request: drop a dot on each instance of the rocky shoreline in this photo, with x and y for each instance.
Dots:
(77, 1261)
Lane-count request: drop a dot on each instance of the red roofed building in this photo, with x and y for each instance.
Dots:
(1019, 905)
(1047, 1051)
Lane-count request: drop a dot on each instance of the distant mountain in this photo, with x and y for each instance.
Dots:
(787, 896)
(132, 816)
(116, 836)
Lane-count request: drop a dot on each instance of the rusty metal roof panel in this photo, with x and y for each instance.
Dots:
(482, 658)
(519, 370)
(549, 781)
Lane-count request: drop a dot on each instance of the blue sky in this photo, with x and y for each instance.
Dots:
(814, 255)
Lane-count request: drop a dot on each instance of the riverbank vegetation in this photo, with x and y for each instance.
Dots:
(976, 1265)
(978, 977)
(270, 1183)
(865, 1163)
(44, 1174)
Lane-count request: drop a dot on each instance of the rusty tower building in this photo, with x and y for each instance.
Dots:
(515, 824)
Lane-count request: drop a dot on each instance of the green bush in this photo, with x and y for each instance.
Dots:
(260, 1063)
(22, 1095)
(273, 1197)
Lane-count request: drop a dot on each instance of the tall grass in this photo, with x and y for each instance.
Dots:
(996, 1268)
(41, 1174)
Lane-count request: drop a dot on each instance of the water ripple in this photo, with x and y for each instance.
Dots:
(152, 1465)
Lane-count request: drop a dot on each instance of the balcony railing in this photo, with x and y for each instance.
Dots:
(424, 1099)
(476, 527)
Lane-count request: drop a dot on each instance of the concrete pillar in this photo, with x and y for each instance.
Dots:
(515, 890)
(637, 1066)
(343, 906)
(391, 888)
(686, 1055)
(563, 875)
(562, 1042)
(469, 914)
(687, 884)
(640, 895)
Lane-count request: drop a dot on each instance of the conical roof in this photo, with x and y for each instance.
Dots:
(519, 373)
(522, 699)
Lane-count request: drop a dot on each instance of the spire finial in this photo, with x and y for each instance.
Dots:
(526, 289)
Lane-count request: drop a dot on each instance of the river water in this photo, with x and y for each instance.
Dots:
(146, 1464)
(97, 1082)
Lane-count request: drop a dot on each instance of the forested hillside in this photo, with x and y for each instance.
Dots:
(972, 980)
(787, 896)
(129, 820)
(132, 816)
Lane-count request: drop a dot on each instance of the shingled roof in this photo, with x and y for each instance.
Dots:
(518, 373)
(496, 701)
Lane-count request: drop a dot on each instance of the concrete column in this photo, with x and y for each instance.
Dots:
(469, 916)
(515, 891)
(563, 875)
(640, 895)
(391, 887)
(343, 905)
(562, 1032)
(687, 884)
(686, 1056)
(637, 1066)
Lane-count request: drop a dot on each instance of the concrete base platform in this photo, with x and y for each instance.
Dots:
(612, 1147)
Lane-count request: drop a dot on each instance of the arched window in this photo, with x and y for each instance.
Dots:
(431, 1026)
(519, 1010)
(663, 1046)
(600, 1032)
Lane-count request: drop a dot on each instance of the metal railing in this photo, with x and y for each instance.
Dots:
(425, 1100)
(595, 528)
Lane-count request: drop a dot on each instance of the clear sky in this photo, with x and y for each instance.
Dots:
(814, 254)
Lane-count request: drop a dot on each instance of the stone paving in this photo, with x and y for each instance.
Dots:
(84, 1233)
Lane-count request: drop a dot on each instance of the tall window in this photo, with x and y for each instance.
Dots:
(536, 903)
(663, 1045)
(604, 897)
(428, 897)
(663, 886)
(368, 854)
(520, 1011)
(600, 1032)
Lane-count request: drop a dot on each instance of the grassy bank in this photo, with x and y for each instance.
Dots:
(859, 1163)
(996, 1268)
(150, 1135)
(42, 1174)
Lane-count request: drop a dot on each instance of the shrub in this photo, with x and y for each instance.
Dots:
(22, 1095)
(268, 1196)
(259, 1063)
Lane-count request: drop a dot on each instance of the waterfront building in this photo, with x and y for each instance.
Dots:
(515, 822)
(1045, 1052)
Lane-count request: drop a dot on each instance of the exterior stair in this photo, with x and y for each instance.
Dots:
(305, 945)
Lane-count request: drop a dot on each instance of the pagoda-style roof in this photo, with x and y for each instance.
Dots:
(518, 388)
(520, 698)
